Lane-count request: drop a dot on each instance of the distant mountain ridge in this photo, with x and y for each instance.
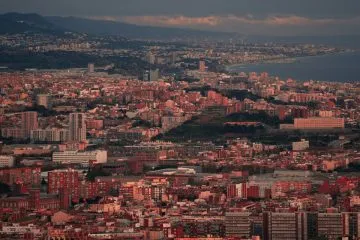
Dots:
(13, 23)
(105, 27)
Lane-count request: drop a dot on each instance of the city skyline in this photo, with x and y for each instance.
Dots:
(151, 130)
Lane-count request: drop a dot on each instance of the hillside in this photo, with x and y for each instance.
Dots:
(14, 23)
(101, 27)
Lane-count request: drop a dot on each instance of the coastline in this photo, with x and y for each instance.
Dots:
(333, 67)
(290, 60)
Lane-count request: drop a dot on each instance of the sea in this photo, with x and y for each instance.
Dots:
(338, 67)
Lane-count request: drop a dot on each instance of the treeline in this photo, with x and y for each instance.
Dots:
(20, 60)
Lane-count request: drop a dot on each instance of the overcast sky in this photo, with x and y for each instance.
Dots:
(265, 17)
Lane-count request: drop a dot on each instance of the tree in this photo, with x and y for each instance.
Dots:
(313, 105)
(4, 188)
(96, 172)
(114, 192)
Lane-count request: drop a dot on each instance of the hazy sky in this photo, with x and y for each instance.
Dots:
(270, 17)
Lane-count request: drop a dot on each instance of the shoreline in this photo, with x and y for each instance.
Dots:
(330, 68)
(289, 60)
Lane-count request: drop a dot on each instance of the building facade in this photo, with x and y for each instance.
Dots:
(29, 121)
(77, 127)
(77, 157)
(319, 123)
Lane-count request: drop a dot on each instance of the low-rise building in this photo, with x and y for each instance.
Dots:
(7, 161)
(77, 157)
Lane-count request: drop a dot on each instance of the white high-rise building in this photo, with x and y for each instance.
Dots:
(150, 58)
(7, 161)
(154, 75)
(77, 127)
(91, 68)
(43, 100)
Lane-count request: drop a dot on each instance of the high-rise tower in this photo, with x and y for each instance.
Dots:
(77, 127)
(29, 121)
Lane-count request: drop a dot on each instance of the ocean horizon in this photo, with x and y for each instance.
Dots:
(339, 67)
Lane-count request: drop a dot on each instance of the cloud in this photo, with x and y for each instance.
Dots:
(291, 20)
(174, 20)
(164, 20)
(247, 23)
(105, 18)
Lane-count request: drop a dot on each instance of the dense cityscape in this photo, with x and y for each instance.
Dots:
(108, 137)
